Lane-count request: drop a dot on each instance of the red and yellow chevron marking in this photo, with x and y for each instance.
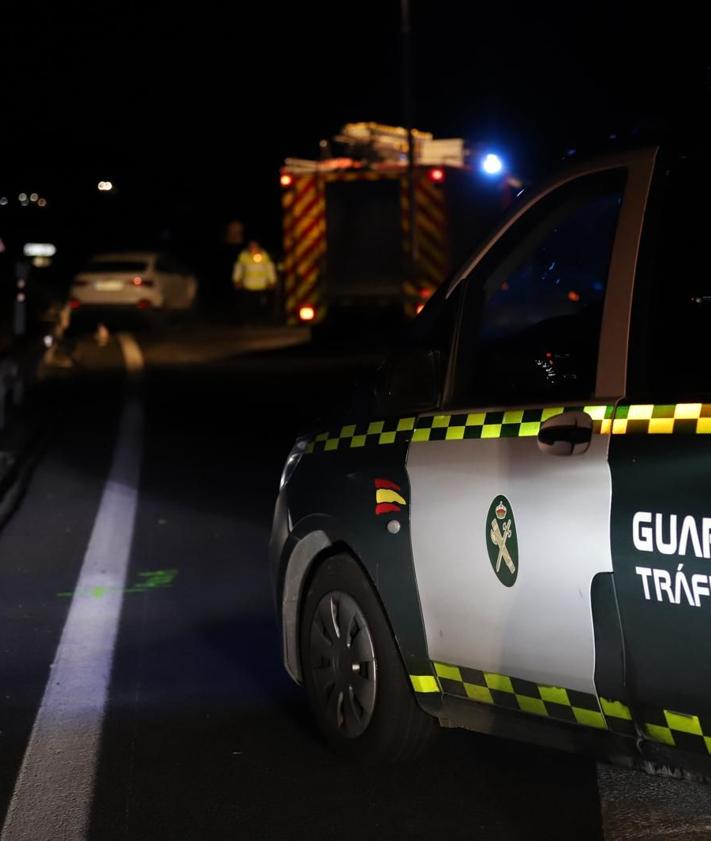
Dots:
(431, 230)
(304, 210)
(304, 244)
(431, 239)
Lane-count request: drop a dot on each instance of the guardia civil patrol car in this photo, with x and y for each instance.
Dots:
(514, 535)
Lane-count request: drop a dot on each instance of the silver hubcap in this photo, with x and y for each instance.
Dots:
(343, 663)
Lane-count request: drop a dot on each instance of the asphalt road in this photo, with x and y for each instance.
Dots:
(203, 736)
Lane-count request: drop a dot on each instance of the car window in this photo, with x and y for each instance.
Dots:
(533, 308)
(116, 266)
(672, 310)
(434, 327)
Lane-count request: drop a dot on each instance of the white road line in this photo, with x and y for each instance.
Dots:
(53, 793)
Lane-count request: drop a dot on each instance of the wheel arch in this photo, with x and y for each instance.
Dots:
(309, 554)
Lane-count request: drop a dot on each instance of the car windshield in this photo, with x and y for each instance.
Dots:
(116, 266)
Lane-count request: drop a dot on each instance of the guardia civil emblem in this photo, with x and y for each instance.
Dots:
(501, 542)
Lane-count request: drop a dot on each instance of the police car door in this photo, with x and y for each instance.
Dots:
(660, 459)
(510, 482)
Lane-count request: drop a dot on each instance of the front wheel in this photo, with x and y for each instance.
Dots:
(357, 687)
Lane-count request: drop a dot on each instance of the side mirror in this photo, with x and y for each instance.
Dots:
(408, 383)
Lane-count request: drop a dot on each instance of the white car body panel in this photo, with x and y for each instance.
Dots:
(541, 629)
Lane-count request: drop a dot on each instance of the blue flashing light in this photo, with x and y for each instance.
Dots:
(492, 164)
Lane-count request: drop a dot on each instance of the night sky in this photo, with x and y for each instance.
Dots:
(192, 109)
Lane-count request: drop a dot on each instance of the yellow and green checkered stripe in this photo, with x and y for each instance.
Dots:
(670, 419)
(520, 695)
(635, 419)
(514, 423)
(355, 436)
(680, 730)
(675, 729)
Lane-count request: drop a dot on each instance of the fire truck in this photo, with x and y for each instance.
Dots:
(347, 220)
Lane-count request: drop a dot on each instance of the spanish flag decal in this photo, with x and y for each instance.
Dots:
(387, 497)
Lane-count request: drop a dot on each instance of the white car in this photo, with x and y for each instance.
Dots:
(141, 279)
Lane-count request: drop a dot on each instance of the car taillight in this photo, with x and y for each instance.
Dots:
(141, 281)
(307, 313)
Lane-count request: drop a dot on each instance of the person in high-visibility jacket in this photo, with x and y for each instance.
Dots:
(254, 277)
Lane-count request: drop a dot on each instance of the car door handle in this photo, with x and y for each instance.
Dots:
(567, 434)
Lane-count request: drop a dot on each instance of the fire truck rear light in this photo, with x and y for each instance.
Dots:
(307, 313)
(286, 180)
(436, 175)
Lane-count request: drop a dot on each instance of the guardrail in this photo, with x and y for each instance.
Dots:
(14, 363)
(12, 384)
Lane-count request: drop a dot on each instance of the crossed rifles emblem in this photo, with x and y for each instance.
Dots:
(499, 538)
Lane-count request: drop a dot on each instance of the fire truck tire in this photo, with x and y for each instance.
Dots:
(354, 677)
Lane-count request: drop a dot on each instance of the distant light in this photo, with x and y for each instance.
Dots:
(41, 262)
(419, 308)
(22, 198)
(3, 200)
(492, 164)
(48, 341)
(286, 180)
(42, 203)
(137, 281)
(33, 197)
(39, 249)
(436, 175)
(307, 313)
(570, 152)
(573, 296)
(105, 186)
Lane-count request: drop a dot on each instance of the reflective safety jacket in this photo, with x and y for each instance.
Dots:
(254, 271)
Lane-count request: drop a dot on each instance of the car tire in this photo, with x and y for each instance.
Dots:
(353, 674)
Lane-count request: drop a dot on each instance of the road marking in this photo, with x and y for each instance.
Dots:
(53, 793)
(157, 579)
